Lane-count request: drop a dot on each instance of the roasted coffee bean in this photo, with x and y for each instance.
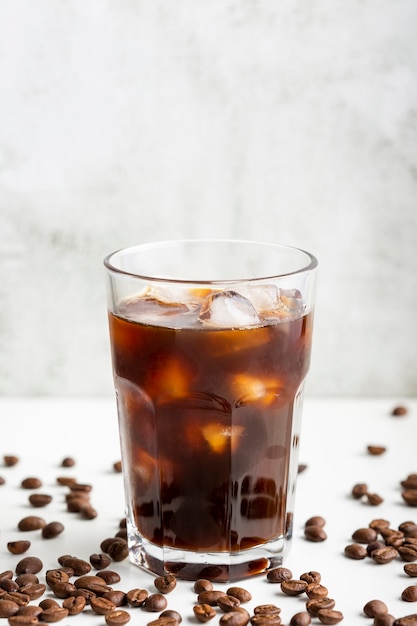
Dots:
(374, 608)
(18, 547)
(408, 552)
(79, 566)
(228, 603)
(100, 561)
(31, 522)
(235, 618)
(22, 620)
(74, 604)
(117, 549)
(316, 520)
(293, 587)
(31, 483)
(30, 609)
(399, 410)
(88, 512)
(68, 461)
(315, 533)
(263, 619)
(311, 577)
(117, 596)
(374, 545)
(165, 584)
(410, 496)
(409, 594)
(204, 612)
(47, 603)
(210, 597)
(101, 606)
(410, 482)
(279, 574)
(66, 481)
(243, 595)
(29, 565)
(34, 591)
(329, 616)
(136, 597)
(267, 609)
(8, 584)
(379, 524)
(384, 555)
(55, 576)
(173, 614)
(8, 608)
(10, 460)
(80, 487)
(411, 569)
(52, 530)
(26, 579)
(64, 590)
(17, 596)
(86, 594)
(376, 450)
(364, 535)
(117, 617)
(315, 591)
(300, 619)
(359, 490)
(408, 528)
(314, 606)
(88, 580)
(54, 614)
(386, 619)
(117, 466)
(39, 500)
(408, 620)
(155, 602)
(374, 499)
(109, 576)
(5, 575)
(163, 621)
(395, 539)
(301, 468)
(2, 481)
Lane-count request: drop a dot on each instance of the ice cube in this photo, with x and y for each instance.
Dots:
(265, 298)
(228, 309)
(292, 301)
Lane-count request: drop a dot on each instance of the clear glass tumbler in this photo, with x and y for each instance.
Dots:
(211, 344)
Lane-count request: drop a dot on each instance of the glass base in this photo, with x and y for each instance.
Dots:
(218, 566)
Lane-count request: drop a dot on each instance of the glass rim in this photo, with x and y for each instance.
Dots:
(111, 267)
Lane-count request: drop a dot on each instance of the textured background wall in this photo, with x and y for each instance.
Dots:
(124, 121)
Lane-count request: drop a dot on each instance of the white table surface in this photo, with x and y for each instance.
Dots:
(335, 435)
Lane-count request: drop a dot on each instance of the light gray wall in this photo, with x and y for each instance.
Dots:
(124, 121)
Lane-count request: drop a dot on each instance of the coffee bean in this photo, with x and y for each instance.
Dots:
(315, 533)
(171, 613)
(235, 618)
(52, 530)
(316, 520)
(136, 597)
(80, 566)
(2, 481)
(204, 612)
(31, 483)
(88, 580)
(117, 617)
(267, 609)
(39, 500)
(109, 577)
(100, 561)
(411, 569)
(315, 591)
(10, 460)
(300, 619)
(117, 466)
(410, 496)
(29, 565)
(261, 619)
(293, 587)
(408, 528)
(47, 603)
(9, 584)
(64, 590)
(311, 577)
(163, 621)
(210, 597)
(8, 608)
(384, 555)
(374, 499)
(359, 490)
(155, 602)
(26, 579)
(16, 596)
(118, 550)
(410, 482)
(202, 584)
(117, 596)
(379, 524)
(66, 481)
(243, 595)
(68, 461)
(399, 410)
(31, 610)
(374, 545)
(31, 522)
(374, 608)
(329, 616)
(55, 576)
(54, 614)
(407, 552)
(314, 606)
(279, 574)
(6, 575)
(364, 535)
(228, 603)
(88, 512)
(376, 450)
(408, 620)
(384, 620)
(34, 591)
(409, 594)
(101, 606)
(80, 487)
(74, 605)
(165, 584)
(87, 594)
(18, 547)
(22, 620)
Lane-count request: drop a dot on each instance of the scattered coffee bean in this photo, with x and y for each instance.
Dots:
(374, 608)
(379, 524)
(136, 597)
(204, 612)
(18, 547)
(210, 597)
(22, 620)
(55, 576)
(165, 584)
(52, 530)
(80, 566)
(311, 577)
(408, 620)
(356, 551)
(155, 602)
(410, 496)
(300, 619)
(316, 520)
(364, 535)
(315, 533)
(399, 410)
(228, 603)
(314, 606)
(100, 561)
(384, 555)
(109, 576)
(10, 460)
(266, 609)
(376, 450)
(293, 587)
(64, 590)
(39, 500)
(66, 481)
(266, 620)
(410, 482)
(329, 616)
(2, 481)
(8, 608)
(47, 603)
(30, 523)
(30, 609)
(409, 594)
(374, 499)
(374, 545)
(411, 569)
(74, 604)
(54, 614)
(407, 552)
(118, 617)
(29, 565)
(101, 606)
(385, 619)
(234, 618)
(243, 595)
(117, 466)
(31, 483)
(279, 574)
(315, 591)
(301, 468)
(88, 512)
(68, 461)
(8, 584)
(359, 490)
(173, 614)
(117, 596)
